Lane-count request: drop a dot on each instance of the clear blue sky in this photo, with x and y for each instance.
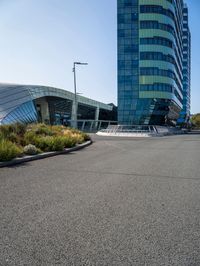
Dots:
(40, 39)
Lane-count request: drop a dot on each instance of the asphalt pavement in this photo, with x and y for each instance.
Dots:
(120, 201)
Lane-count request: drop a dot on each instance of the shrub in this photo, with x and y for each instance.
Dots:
(30, 138)
(5, 131)
(49, 143)
(40, 137)
(1, 136)
(45, 143)
(13, 132)
(74, 131)
(196, 120)
(85, 136)
(57, 130)
(58, 144)
(19, 129)
(42, 129)
(78, 138)
(8, 150)
(69, 141)
(13, 137)
(67, 133)
(30, 149)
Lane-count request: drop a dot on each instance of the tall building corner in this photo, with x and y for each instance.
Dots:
(153, 62)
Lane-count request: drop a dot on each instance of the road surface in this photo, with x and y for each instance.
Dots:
(117, 202)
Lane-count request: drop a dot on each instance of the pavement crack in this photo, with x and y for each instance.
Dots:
(135, 174)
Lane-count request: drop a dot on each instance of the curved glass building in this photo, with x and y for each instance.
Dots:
(32, 103)
(150, 61)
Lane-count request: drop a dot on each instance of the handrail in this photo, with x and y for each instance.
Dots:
(129, 129)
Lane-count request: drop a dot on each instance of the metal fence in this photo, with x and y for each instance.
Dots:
(113, 129)
(93, 125)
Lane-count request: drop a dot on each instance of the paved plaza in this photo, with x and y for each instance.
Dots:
(117, 202)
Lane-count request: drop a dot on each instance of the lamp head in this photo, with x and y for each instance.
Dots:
(79, 63)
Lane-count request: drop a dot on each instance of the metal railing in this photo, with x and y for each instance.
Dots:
(92, 125)
(149, 130)
(114, 129)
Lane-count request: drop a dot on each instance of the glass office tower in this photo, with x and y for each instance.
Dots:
(150, 61)
(185, 112)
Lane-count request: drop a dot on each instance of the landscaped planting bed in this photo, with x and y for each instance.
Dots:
(18, 140)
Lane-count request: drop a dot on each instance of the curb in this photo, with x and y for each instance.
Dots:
(29, 158)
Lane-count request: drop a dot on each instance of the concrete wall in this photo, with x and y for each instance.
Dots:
(44, 107)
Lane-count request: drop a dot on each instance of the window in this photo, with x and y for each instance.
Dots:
(153, 24)
(157, 41)
(153, 71)
(157, 87)
(156, 9)
(161, 57)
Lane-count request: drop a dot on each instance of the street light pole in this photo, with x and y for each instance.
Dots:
(75, 92)
(75, 97)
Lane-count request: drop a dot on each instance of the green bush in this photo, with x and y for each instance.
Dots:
(5, 131)
(57, 130)
(13, 132)
(69, 141)
(75, 131)
(13, 137)
(49, 143)
(86, 137)
(78, 138)
(196, 121)
(19, 129)
(44, 143)
(8, 150)
(16, 128)
(30, 138)
(44, 137)
(1, 136)
(58, 144)
(41, 129)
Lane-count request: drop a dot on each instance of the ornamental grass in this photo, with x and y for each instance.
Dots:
(17, 139)
(8, 150)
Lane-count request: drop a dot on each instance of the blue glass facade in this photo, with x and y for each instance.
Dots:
(25, 113)
(29, 103)
(185, 112)
(128, 60)
(150, 61)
